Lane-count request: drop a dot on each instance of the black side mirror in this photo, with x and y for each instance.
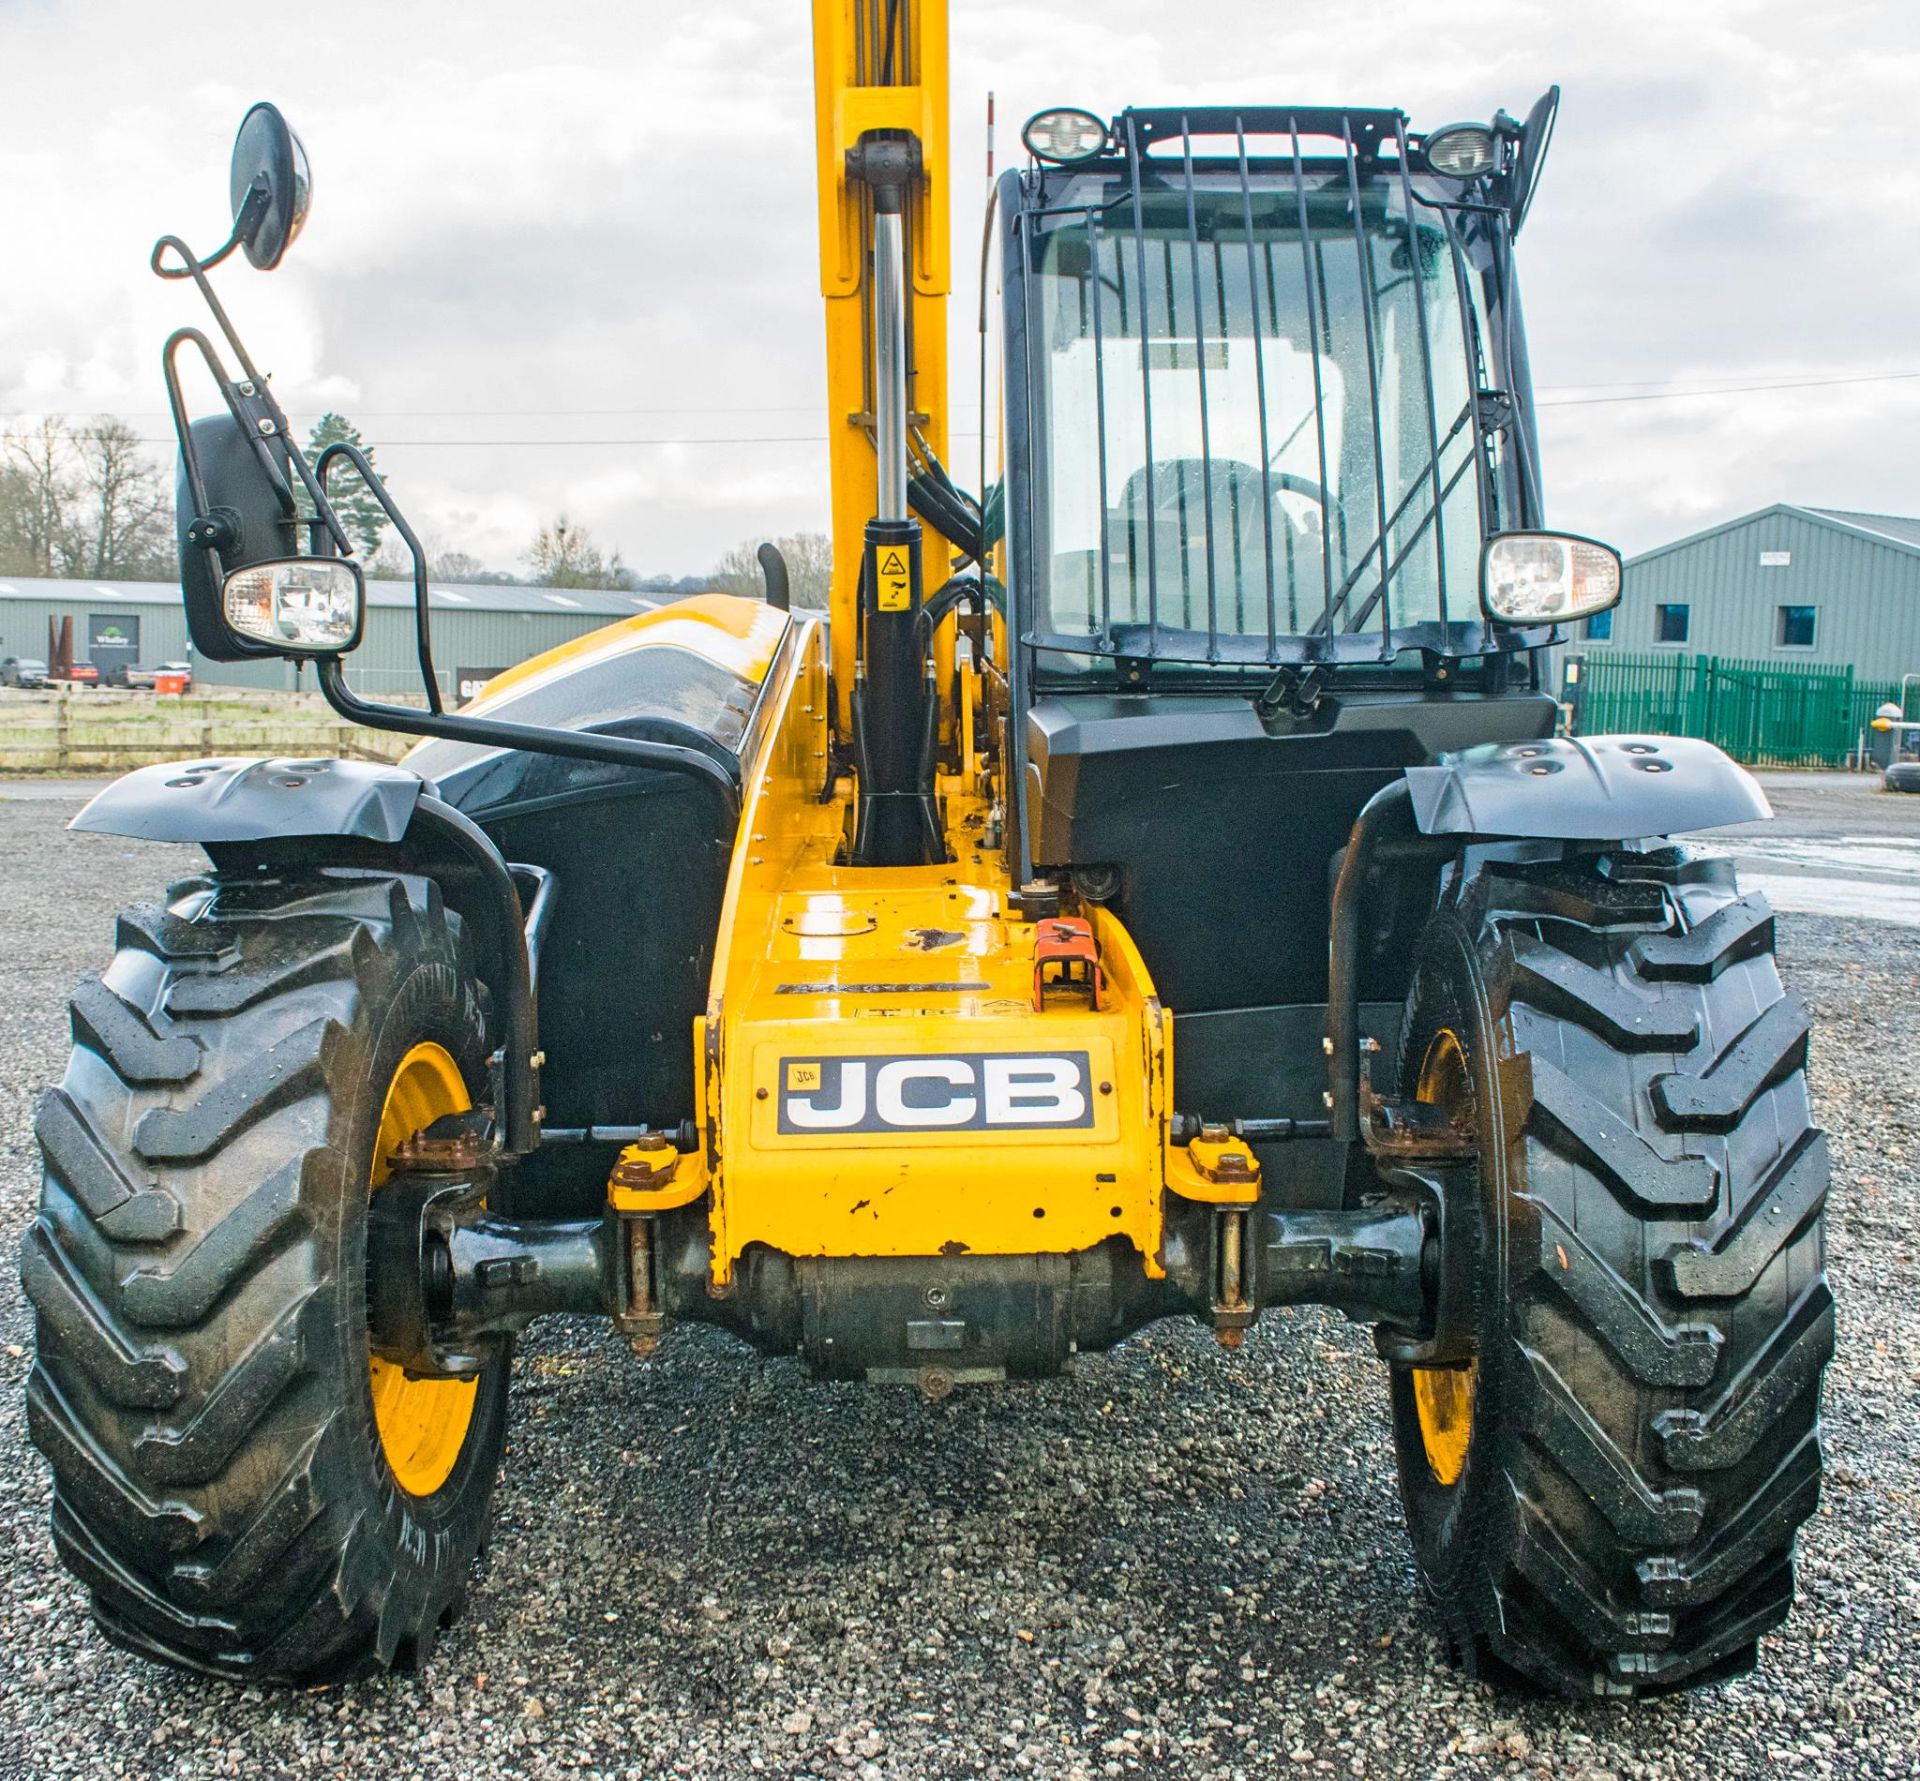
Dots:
(1535, 136)
(270, 185)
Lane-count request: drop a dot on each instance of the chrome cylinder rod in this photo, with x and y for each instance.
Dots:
(890, 362)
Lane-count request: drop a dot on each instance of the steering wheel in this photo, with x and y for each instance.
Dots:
(1288, 482)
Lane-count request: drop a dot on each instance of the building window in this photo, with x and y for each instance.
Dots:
(1671, 623)
(1600, 627)
(1793, 627)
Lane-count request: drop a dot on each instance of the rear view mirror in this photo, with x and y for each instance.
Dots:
(298, 606)
(270, 185)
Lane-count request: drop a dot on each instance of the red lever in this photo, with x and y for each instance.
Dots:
(1064, 953)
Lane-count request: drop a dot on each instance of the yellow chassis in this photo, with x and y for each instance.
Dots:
(923, 976)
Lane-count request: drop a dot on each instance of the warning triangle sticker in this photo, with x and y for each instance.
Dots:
(892, 564)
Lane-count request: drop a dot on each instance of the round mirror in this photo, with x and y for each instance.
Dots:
(269, 185)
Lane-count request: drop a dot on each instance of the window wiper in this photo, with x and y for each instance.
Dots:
(1340, 598)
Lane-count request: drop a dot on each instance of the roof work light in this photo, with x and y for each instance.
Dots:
(1462, 151)
(1064, 135)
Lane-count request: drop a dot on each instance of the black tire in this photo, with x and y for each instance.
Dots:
(1903, 776)
(1652, 1304)
(201, 1385)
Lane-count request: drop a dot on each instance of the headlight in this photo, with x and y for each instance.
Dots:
(1064, 135)
(1462, 151)
(303, 606)
(1542, 578)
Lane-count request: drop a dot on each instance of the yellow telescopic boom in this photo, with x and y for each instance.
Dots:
(880, 77)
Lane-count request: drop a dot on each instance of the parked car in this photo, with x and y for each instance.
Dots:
(80, 674)
(23, 671)
(142, 679)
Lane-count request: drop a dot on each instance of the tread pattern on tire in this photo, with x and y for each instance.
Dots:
(1665, 1281)
(185, 1387)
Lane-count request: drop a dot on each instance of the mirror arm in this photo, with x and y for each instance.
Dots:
(196, 269)
(250, 406)
(248, 218)
(422, 618)
(250, 401)
(487, 732)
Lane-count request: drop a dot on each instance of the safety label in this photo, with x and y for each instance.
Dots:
(894, 592)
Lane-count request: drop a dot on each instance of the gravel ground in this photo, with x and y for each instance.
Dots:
(1175, 1563)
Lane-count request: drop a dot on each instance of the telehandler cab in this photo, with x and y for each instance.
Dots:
(1155, 890)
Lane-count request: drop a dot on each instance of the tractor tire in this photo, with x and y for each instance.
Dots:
(224, 1483)
(1605, 1503)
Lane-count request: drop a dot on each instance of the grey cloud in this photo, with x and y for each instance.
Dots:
(611, 206)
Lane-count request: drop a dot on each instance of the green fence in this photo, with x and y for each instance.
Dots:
(1759, 712)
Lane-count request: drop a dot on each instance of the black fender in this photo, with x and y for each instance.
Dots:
(213, 801)
(1585, 788)
(1590, 788)
(356, 813)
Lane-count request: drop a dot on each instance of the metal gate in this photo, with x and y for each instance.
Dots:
(1760, 712)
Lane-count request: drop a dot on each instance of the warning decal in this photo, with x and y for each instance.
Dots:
(894, 591)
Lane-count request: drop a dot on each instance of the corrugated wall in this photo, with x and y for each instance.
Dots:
(385, 661)
(23, 625)
(1866, 595)
(383, 664)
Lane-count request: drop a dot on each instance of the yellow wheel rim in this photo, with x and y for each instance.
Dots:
(1443, 1396)
(422, 1423)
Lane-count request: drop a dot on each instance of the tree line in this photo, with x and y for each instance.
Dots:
(85, 499)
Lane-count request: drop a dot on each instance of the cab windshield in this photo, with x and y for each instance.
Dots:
(1253, 420)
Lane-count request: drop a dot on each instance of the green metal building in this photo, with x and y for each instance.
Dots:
(1777, 636)
(1805, 587)
(478, 629)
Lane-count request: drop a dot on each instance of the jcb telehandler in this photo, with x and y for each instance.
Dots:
(1155, 890)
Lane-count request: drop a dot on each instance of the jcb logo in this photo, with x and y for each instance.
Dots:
(964, 1092)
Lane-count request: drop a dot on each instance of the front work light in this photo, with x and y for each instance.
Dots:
(1064, 135)
(300, 606)
(1462, 151)
(1543, 578)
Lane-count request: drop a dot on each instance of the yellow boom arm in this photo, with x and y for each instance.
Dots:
(879, 65)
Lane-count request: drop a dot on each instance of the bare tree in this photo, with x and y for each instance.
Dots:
(455, 565)
(127, 533)
(809, 558)
(391, 562)
(565, 555)
(82, 503)
(37, 490)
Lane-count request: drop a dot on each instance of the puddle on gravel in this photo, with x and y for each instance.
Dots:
(1895, 856)
(1859, 877)
(1811, 893)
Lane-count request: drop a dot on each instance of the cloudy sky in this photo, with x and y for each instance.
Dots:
(593, 220)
